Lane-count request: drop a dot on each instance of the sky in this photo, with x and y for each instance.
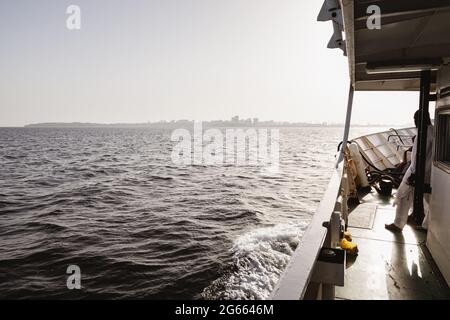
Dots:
(150, 60)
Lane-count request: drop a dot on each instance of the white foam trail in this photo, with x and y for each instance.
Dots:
(259, 258)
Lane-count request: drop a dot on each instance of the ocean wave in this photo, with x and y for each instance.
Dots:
(259, 258)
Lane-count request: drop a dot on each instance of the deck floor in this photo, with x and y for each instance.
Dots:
(390, 265)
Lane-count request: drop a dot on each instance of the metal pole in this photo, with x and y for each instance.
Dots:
(328, 292)
(347, 125)
(425, 79)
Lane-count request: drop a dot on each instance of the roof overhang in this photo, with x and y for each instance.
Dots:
(414, 35)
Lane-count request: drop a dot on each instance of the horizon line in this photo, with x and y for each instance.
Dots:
(239, 122)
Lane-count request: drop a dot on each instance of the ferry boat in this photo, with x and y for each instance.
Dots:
(408, 51)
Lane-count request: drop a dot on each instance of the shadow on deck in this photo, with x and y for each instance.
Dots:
(389, 265)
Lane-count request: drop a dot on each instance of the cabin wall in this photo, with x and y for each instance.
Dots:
(438, 239)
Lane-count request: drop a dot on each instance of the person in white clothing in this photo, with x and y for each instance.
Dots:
(405, 193)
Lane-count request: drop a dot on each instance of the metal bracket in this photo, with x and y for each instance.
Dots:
(330, 267)
(331, 11)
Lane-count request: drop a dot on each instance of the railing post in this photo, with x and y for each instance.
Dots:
(347, 125)
(418, 211)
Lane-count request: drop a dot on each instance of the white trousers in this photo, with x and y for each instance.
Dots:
(404, 200)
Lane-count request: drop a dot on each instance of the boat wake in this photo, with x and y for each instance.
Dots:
(259, 258)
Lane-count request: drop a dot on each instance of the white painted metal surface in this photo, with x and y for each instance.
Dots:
(438, 238)
(348, 119)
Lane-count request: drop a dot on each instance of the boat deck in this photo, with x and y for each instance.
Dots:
(389, 265)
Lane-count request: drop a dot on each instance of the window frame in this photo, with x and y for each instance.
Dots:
(442, 138)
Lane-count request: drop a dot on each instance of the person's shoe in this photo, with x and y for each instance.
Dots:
(419, 228)
(411, 221)
(392, 227)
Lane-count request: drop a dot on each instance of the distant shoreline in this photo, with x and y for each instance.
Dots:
(189, 123)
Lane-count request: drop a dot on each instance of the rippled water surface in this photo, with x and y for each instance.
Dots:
(112, 202)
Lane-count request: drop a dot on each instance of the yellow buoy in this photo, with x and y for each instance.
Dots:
(349, 247)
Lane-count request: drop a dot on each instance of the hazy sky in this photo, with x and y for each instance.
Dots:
(149, 60)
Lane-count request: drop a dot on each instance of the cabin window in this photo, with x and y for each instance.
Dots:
(443, 137)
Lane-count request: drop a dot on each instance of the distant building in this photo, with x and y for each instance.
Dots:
(235, 119)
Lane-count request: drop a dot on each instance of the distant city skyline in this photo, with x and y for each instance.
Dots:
(234, 121)
(148, 60)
